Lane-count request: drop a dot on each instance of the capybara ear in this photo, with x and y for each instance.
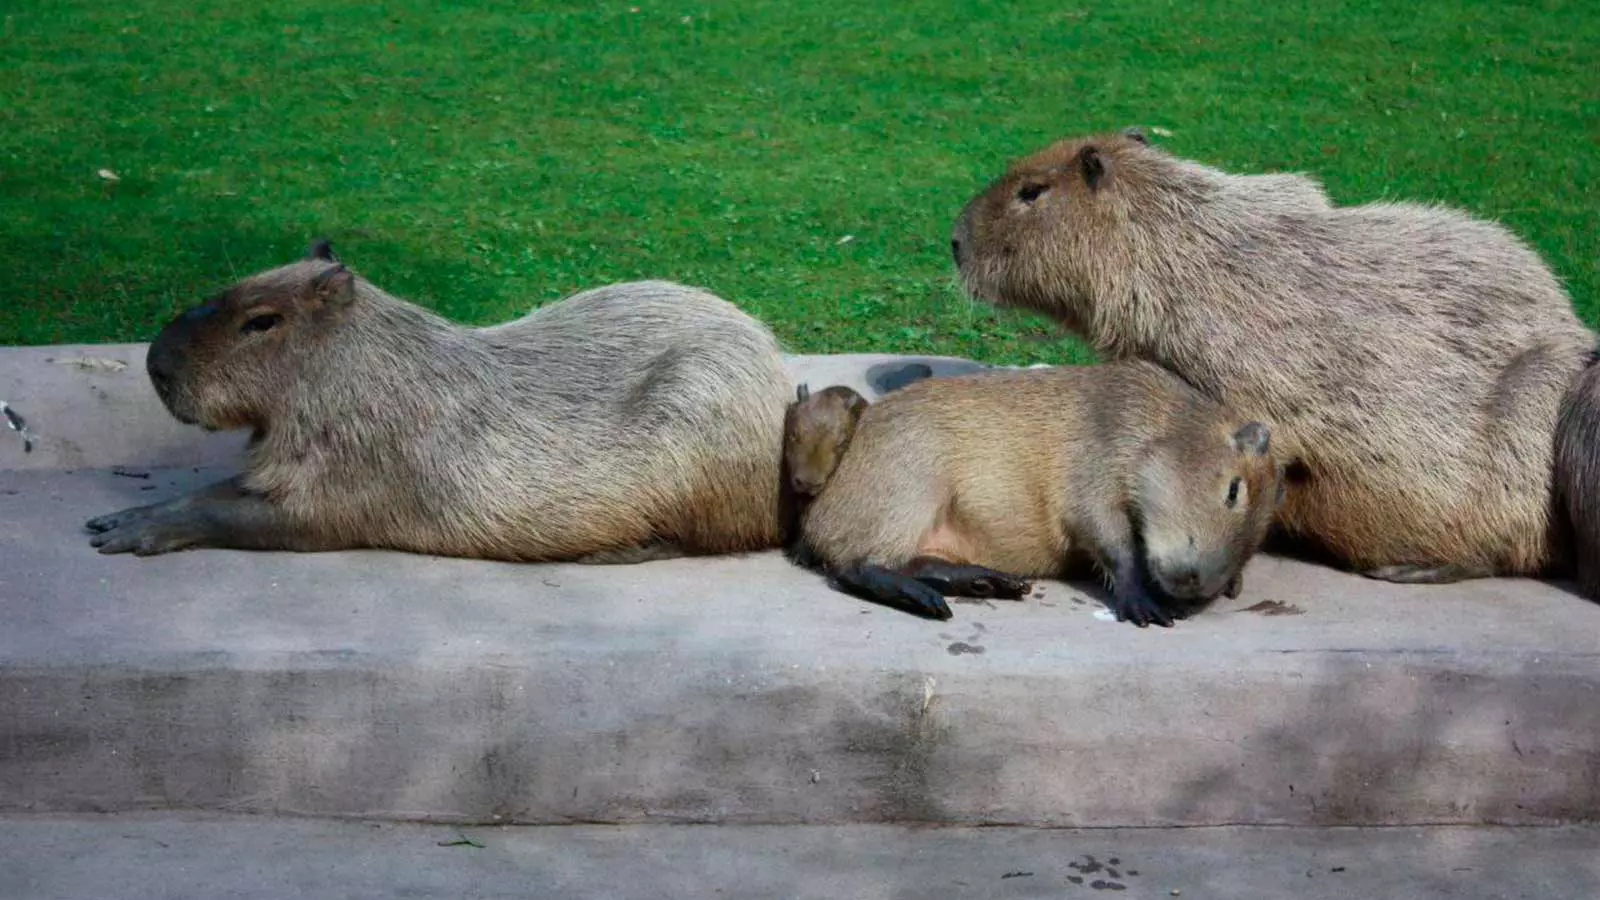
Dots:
(1253, 438)
(802, 393)
(1092, 166)
(335, 286)
(1135, 133)
(322, 249)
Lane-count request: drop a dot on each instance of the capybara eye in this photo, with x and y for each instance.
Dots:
(1031, 192)
(261, 323)
(1233, 493)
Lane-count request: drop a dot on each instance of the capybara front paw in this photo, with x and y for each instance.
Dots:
(1001, 586)
(924, 601)
(145, 537)
(117, 519)
(1141, 609)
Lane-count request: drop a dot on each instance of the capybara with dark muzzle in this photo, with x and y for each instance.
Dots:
(971, 485)
(628, 422)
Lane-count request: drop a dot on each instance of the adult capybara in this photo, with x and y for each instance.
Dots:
(1423, 367)
(627, 422)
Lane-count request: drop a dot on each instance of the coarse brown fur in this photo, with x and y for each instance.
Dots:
(627, 422)
(1028, 472)
(1413, 359)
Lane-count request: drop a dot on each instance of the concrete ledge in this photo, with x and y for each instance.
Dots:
(741, 690)
(145, 857)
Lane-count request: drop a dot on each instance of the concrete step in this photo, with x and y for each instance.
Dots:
(143, 858)
(740, 690)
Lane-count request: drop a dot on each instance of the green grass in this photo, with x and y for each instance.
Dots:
(803, 159)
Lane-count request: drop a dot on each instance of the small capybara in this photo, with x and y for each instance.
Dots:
(972, 484)
(629, 422)
(1423, 368)
(816, 434)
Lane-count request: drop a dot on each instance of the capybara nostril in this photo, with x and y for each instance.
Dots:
(955, 250)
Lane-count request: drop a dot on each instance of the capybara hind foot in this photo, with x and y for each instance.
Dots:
(959, 580)
(885, 586)
(1415, 574)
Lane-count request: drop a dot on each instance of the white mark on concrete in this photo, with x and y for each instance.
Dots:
(93, 363)
(1105, 615)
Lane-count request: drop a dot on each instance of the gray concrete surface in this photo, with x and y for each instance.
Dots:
(146, 858)
(734, 689)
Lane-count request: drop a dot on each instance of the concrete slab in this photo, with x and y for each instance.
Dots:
(741, 690)
(144, 858)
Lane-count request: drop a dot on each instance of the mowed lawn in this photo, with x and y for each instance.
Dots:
(803, 159)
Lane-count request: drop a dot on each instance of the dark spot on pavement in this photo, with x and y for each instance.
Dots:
(1100, 885)
(1089, 866)
(1075, 879)
(1017, 875)
(1274, 608)
(126, 472)
(961, 647)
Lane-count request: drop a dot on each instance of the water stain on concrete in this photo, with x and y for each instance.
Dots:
(960, 648)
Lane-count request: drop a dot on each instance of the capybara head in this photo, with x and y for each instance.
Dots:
(816, 434)
(224, 363)
(1205, 502)
(1040, 233)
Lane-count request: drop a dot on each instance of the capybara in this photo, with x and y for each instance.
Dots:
(970, 485)
(628, 422)
(1423, 368)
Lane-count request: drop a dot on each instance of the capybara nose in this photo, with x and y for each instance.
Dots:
(1184, 582)
(961, 234)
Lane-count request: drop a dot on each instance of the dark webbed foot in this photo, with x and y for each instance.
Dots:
(960, 580)
(1132, 602)
(117, 519)
(1427, 574)
(881, 585)
(147, 535)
